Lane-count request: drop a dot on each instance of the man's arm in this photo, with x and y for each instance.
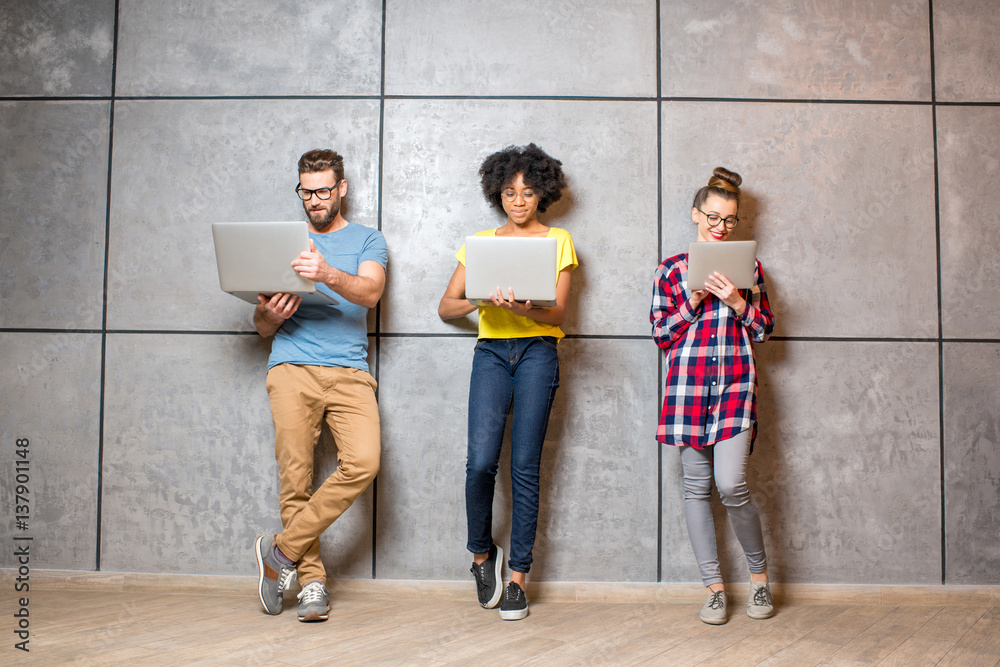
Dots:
(364, 289)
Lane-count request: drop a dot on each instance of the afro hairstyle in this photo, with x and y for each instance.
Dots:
(540, 171)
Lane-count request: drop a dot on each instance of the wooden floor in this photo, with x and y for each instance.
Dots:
(107, 627)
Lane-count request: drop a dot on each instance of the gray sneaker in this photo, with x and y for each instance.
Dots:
(713, 611)
(287, 579)
(760, 604)
(314, 602)
(270, 574)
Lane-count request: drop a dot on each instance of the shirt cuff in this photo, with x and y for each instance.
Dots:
(687, 312)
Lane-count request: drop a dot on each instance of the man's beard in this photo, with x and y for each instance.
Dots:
(326, 217)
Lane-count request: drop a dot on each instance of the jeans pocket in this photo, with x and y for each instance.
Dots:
(550, 341)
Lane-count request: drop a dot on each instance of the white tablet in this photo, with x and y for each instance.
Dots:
(526, 265)
(733, 259)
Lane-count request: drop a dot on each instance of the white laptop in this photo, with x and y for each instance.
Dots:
(256, 258)
(733, 259)
(525, 264)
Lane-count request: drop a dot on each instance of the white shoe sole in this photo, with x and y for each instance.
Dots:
(515, 615)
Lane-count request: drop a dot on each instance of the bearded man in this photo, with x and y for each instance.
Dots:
(318, 371)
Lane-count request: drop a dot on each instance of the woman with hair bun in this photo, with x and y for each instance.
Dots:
(515, 370)
(710, 398)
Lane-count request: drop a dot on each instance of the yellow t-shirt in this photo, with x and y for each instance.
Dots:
(496, 322)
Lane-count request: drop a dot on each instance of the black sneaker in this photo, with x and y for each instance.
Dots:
(515, 603)
(489, 582)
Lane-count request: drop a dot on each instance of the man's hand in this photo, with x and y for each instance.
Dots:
(311, 265)
(272, 312)
(280, 306)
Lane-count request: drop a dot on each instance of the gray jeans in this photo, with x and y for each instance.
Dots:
(728, 460)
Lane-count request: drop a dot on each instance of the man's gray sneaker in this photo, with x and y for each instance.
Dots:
(760, 604)
(269, 574)
(288, 577)
(713, 611)
(488, 576)
(515, 603)
(314, 602)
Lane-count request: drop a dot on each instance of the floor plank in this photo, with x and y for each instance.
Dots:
(918, 651)
(883, 637)
(979, 646)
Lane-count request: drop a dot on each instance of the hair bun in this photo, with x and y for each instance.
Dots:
(725, 179)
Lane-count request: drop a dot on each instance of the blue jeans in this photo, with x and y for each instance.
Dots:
(510, 373)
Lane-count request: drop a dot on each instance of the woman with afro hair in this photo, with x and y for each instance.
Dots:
(515, 369)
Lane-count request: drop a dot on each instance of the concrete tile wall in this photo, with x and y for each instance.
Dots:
(966, 53)
(57, 48)
(181, 165)
(54, 181)
(969, 150)
(848, 473)
(214, 47)
(778, 50)
(431, 205)
(599, 455)
(844, 217)
(123, 137)
(51, 388)
(571, 47)
(972, 461)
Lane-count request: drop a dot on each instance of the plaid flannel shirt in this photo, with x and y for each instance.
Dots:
(711, 379)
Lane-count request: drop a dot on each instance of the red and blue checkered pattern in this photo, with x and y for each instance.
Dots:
(711, 378)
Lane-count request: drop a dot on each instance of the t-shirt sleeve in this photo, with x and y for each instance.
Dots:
(375, 249)
(461, 255)
(567, 253)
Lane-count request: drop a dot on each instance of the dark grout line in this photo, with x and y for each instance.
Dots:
(104, 302)
(424, 334)
(378, 306)
(940, 308)
(498, 98)
(659, 258)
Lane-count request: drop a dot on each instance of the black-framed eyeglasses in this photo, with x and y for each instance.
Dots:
(714, 220)
(322, 193)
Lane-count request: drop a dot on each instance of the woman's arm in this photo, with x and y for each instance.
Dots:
(757, 317)
(671, 314)
(454, 304)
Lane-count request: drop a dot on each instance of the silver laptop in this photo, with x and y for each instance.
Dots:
(733, 259)
(256, 258)
(526, 265)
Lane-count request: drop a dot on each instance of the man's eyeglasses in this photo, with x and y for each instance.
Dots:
(322, 193)
(714, 220)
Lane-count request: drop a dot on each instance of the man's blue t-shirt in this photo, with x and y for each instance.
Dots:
(332, 335)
